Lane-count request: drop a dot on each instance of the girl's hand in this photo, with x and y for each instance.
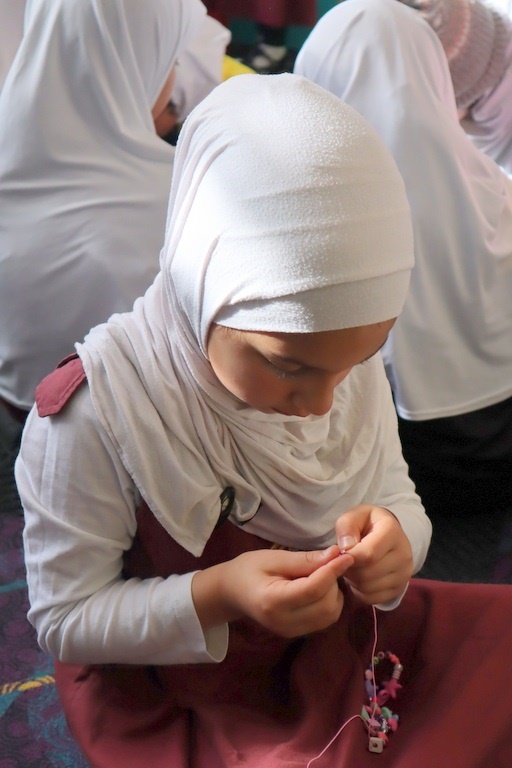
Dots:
(289, 593)
(382, 553)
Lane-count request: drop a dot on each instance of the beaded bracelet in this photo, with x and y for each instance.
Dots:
(379, 720)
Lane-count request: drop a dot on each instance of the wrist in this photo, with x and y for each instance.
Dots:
(212, 596)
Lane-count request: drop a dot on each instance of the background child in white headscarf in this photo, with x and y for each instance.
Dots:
(84, 180)
(449, 357)
(240, 411)
(477, 40)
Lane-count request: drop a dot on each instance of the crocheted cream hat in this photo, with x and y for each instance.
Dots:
(474, 37)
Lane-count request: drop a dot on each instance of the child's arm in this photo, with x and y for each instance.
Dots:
(392, 531)
(80, 519)
(398, 495)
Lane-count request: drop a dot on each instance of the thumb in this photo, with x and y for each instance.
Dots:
(349, 527)
(346, 542)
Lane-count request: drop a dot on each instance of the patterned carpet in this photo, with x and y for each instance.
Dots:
(33, 732)
(475, 549)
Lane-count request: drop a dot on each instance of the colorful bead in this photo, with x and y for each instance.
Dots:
(379, 720)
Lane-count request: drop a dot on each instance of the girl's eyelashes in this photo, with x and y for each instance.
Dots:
(281, 372)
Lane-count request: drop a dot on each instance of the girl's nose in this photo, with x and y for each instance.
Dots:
(314, 400)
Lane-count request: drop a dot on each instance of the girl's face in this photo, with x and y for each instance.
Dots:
(290, 373)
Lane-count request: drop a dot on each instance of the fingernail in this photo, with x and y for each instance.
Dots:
(346, 542)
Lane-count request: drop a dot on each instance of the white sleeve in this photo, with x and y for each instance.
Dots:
(400, 497)
(398, 494)
(79, 507)
(397, 491)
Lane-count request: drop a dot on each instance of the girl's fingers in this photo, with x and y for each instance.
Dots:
(294, 565)
(308, 590)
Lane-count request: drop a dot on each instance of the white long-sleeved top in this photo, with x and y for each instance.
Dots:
(79, 525)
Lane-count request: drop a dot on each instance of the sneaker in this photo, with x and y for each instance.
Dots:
(267, 59)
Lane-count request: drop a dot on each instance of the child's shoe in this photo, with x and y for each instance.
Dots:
(267, 59)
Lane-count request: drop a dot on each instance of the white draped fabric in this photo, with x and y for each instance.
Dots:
(84, 179)
(451, 350)
(11, 32)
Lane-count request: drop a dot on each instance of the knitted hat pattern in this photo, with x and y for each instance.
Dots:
(474, 37)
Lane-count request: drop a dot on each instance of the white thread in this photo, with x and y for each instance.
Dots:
(355, 717)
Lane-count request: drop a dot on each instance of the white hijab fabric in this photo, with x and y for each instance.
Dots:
(278, 188)
(84, 179)
(200, 66)
(489, 122)
(11, 32)
(450, 352)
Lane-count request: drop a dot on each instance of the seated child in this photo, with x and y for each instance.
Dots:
(84, 179)
(449, 356)
(214, 489)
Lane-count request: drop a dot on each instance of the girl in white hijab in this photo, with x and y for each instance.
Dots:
(240, 411)
(84, 179)
(233, 393)
(449, 356)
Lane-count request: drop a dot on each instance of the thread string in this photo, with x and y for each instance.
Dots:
(355, 717)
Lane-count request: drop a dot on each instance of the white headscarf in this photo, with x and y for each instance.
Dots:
(450, 352)
(200, 67)
(84, 179)
(489, 122)
(281, 195)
